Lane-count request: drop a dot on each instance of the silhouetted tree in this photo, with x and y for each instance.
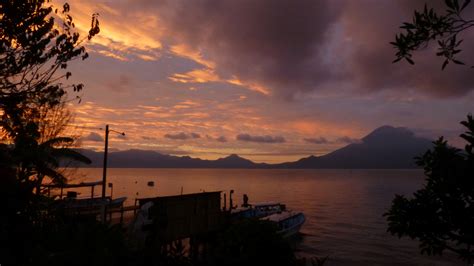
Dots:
(36, 44)
(427, 26)
(441, 214)
(46, 146)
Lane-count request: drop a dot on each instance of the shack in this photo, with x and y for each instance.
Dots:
(185, 216)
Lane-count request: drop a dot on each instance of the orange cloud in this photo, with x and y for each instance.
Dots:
(308, 128)
(252, 86)
(228, 118)
(118, 38)
(209, 75)
(188, 52)
(196, 76)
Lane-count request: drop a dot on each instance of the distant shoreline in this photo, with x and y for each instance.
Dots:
(237, 168)
(385, 148)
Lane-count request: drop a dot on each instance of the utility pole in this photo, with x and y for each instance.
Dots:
(104, 173)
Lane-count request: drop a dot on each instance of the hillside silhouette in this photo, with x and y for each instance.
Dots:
(386, 147)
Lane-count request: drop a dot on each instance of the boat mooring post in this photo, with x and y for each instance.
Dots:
(111, 186)
(225, 202)
(231, 204)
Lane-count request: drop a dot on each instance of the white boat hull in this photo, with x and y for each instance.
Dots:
(291, 231)
(288, 222)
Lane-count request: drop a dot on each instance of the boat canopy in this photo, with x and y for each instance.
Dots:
(266, 204)
(277, 217)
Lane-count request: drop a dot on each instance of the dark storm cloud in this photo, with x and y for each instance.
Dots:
(93, 137)
(371, 25)
(182, 136)
(260, 139)
(293, 47)
(276, 43)
(320, 140)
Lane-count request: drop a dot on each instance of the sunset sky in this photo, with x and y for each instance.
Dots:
(269, 80)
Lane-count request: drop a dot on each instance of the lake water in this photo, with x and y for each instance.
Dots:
(343, 208)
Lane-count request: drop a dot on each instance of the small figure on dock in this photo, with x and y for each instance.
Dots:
(245, 201)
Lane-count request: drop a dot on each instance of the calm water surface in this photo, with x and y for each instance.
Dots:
(343, 208)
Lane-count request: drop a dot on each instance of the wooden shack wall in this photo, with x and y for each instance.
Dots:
(178, 217)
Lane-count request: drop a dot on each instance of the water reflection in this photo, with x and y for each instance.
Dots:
(343, 208)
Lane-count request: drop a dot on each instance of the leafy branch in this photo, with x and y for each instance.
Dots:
(428, 26)
(34, 47)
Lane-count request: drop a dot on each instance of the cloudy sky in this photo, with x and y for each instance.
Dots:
(270, 80)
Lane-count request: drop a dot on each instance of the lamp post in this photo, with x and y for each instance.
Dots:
(104, 172)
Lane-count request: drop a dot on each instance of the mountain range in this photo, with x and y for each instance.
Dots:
(386, 147)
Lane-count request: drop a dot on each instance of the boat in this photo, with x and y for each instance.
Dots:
(258, 210)
(265, 209)
(117, 202)
(289, 223)
(91, 206)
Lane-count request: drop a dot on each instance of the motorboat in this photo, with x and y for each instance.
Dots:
(289, 223)
(257, 210)
(265, 209)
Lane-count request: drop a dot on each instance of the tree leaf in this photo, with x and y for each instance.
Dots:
(446, 62)
(466, 3)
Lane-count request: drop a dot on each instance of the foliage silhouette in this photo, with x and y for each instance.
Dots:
(441, 214)
(36, 44)
(427, 26)
(252, 242)
(83, 242)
